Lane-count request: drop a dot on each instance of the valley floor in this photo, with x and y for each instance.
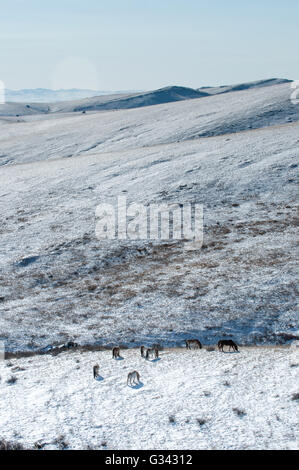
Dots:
(186, 400)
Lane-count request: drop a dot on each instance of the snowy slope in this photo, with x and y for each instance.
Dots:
(186, 400)
(58, 282)
(243, 86)
(241, 283)
(35, 138)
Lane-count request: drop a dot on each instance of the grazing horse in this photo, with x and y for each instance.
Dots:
(152, 352)
(133, 377)
(227, 342)
(193, 344)
(142, 349)
(71, 344)
(96, 371)
(116, 352)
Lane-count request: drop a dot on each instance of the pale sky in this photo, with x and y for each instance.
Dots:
(146, 44)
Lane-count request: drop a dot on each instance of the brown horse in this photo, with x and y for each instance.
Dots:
(227, 342)
(193, 344)
(116, 352)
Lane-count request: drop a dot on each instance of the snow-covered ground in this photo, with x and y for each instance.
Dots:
(186, 400)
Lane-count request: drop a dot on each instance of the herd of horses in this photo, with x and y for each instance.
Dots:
(147, 353)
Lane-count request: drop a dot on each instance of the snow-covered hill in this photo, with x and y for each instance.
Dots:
(117, 99)
(113, 101)
(186, 400)
(243, 86)
(236, 153)
(36, 137)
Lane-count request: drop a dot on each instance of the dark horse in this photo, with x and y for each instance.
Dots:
(227, 342)
(95, 371)
(193, 344)
(116, 352)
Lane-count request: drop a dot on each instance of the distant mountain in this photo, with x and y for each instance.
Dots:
(46, 101)
(45, 95)
(171, 93)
